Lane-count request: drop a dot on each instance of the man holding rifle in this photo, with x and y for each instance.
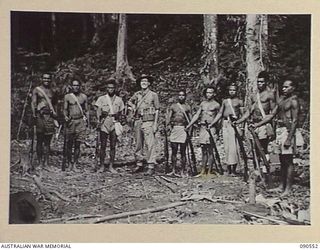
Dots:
(262, 104)
(44, 116)
(179, 115)
(287, 138)
(229, 111)
(206, 113)
(76, 115)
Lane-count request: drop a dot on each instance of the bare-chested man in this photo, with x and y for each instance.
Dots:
(288, 112)
(179, 115)
(262, 104)
(75, 113)
(44, 114)
(206, 113)
(230, 107)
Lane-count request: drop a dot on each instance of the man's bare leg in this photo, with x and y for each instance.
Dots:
(113, 141)
(204, 149)
(283, 174)
(289, 173)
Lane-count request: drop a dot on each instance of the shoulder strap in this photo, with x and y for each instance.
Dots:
(230, 104)
(110, 103)
(183, 111)
(46, 97)
(260, 106)
(142, 99)
(77, 101)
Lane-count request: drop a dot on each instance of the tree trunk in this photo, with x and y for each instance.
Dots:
(98, 21)
(84, 36)
(257, 50)
(54, 32)
(209, 71)
(42, 34)
(123, 70)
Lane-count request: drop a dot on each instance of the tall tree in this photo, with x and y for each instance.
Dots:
(98, 21)
(54, 32)
(209, 71)
(123, 70)
(257, 50)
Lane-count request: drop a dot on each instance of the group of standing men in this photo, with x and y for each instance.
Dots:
(143, 112)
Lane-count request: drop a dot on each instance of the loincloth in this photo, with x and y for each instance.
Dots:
(178, 134)
(230, 143)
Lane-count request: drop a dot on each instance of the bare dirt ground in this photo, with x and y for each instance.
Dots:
(85, 196)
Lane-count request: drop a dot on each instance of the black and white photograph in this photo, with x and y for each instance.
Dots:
(131, 118)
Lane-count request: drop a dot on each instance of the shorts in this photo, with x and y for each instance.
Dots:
(76, 128)
(204, 137)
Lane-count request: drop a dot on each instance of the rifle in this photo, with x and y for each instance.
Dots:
(64, 152)
(242, 150)
(31, 151)
(166, 148)
(97, 152)
(260, 149)
(193, 165)
(216, 153)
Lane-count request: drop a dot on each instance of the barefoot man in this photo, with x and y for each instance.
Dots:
(206, 113)
(230, 107)
(287, 110)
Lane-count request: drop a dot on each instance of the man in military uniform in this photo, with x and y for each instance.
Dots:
(44, 114)
(76, 115)
(144, 106)
(109, 111)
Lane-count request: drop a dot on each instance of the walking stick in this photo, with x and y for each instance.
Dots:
(242, 150)
(24, 109)
(216, 153)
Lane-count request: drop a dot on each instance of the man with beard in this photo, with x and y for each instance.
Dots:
(109, 111)
(144, 106)
(44, 116)
(287, 137)
(230, 110)
(76, 114)
(206, 113)
(179, 115)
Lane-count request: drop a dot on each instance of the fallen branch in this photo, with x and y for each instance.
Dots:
(208, 197)
(78, 217)
(162, 61)
(279, 222)
(48, 193)
(138, 212)
(167, 179)
(164, 183)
